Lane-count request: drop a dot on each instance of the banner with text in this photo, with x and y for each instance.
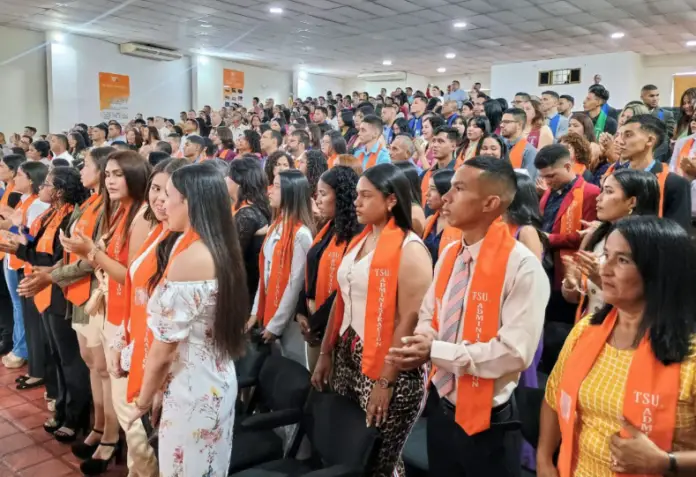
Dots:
(114, 94)
(232, 87)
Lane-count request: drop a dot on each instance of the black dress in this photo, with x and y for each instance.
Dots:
(249, 220)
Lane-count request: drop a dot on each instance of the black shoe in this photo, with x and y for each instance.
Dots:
(21, 379)
(99, 466)
(52, 424)
(24, 384)
(85, 451)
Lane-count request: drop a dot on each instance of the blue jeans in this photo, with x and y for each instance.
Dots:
(18, 336)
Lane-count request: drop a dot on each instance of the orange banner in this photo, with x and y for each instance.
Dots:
(114, 94)
(232, 87)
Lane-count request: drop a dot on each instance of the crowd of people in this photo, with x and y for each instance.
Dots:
(421, 253)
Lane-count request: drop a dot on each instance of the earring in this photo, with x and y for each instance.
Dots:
(630, 211)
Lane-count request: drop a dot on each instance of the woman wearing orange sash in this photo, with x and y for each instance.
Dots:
(125, 178)
(382, 281)
(475, 129)
(620, 399)
(437, 235)
(246, 184)
(335, 201)
(282, 265)
(492, 145)
(63, 190)
(333, 145)
(196, 315)
(276, 163)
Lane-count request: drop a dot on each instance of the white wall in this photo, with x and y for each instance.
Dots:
(260, 82)
(466, 81)
(307, 84)
(621, 75)
(659, 69)
(22, 81)
(157, 87)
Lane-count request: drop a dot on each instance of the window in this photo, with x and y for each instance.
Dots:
(559, 77)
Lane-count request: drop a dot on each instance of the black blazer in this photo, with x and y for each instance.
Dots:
(677, 197)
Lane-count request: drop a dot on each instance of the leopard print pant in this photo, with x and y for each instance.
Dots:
(404, 408)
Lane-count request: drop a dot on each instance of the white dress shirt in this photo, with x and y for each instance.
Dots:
(525, 294)
(674, 166)
(65, 155)
(238, 131)
(286, 308)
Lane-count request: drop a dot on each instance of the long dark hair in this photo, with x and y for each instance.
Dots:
(209, 212)
(36, 172)
(524, 208)
(167, 166)
(389, 179)
(295, 198)
(684, 119)
(67, 182)
(254, 140)
(273, 160)
(80, 144)
(253, 187)
(503, 146)
(639, 184)
(411, 173)
(316, 166)
(587, 126)
(494, 112)
(343, 180)
(669, 305)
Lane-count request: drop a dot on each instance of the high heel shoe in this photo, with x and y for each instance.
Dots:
(99, 466)
(85, 451)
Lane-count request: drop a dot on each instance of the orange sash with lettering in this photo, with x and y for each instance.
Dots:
(474, 394)
(117, 301)
(380, 307)
(684, 152)
(78, 293)
(50, 220)
(650, 396)
(425, 185)
(281, 263)
(15, 262)
(517, 153)
(328, 267)
(449, 234)
(138, 291)
(3, 203)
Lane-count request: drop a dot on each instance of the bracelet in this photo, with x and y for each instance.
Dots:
(673, 467)
(92, 253)
(140, 407)
(569, 289)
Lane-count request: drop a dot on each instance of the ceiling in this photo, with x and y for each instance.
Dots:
(348, 37)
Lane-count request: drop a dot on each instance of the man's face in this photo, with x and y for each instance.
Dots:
(362, 97)
(182, 116)
(293, 144)
(591, 102)
(564, 106)
(448, 108)
(388, 115)
(191, 150)
(267, 141)
(28, 132)
(442, 146)
(114, 132)
(455, 85)
(651, 98)
(56, 145)
(366, 133)
(597, 79)
(190, 126)
(319, 116)
(631, 140)
(398, 150)
(207, 109)
(466, 199)
(548, 102)
(518, 101)
(191, 115)
(558, 175)
(97, 134)
(479, 110)
(418, 106)
(159, 122)
(236, 118)
(508, 126)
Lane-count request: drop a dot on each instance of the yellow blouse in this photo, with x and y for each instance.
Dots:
(600, 404)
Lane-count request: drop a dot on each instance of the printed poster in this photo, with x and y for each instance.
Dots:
(114, 94)
(232, 87)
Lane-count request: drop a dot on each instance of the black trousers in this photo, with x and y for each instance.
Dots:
(6, 317)
(74, 392)
(453, 453)
(559, 320)
(40, 361)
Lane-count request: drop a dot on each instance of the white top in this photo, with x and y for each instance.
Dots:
(33, 212)
(286, 308)
(525, 294)
(353, 279)
(238, 131)
(674, 166)
(65, 155)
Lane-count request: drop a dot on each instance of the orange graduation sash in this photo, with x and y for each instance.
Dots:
(371, 160)
(425, 184)
(78, 293)
(117, 249)
(449, 234)
(475, 394)
(328, 267)
(380, 308)
(517, 153)
(332, 160)
(16, 262)
(650, 396)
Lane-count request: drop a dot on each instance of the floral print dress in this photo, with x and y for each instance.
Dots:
(195, 432)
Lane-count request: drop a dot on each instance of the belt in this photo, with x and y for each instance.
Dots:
(502, 416)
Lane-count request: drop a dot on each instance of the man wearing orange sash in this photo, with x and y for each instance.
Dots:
(444, 145)
(521, 153)
(372, 150)
(479, 326)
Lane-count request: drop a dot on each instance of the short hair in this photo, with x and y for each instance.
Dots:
(155, 157)
(13, 161)
(197, 140)
(303, 137)
(551, 93)
(517, 113)
(256, 98)
(42, 147)
(31, 128)
(174, 136)
(366, 109)
(600, 91)
(648, 87)
(568, 97)
(651, 125)
(452, 133)
(277, 136)
(150, 118)
(59, 162)
(497, 172)
(322, 109)
(374, 120)
(550, 155)
(525, 96)
(164, 146)
(435, 121)
(420, 96)
(63, 139)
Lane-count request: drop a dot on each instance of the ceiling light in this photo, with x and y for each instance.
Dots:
(459, 25)
(276, 10)
(206, 25)
(441, 70)
(450, 56)
(387, 63)
(59, 37)
(203, 60)
(617, 35)
(691, 43)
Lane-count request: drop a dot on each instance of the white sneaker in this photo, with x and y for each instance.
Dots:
(13, 362)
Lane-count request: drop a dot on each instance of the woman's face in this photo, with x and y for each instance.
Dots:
(340, 121)
(175, 208)
(460, 126)
(371, 206)
(255, 121)
(281, 165)
(6, 174)
(473, 132)
(232, 189)
(491, 147)
(396, 129)
(130, 137)
(612, 203)
(626, 114)
(71, 141)
(145, 132)
(115, 181)
(622, 285)
(243, 144)
(326, 200)
(427, 130)
(274, 194)
(47, 193)
(576, 126)
(90, 173)
(275, 126)
(529, 110)
(434, 198)
(33, 154)
(688, 105)
(157, 195)
(467, 112)
(214, 137)
(22, 182)
(326, 146)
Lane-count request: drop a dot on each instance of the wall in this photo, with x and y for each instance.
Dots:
(659, 69)
(466, 81)
(260, 82)
(621, 75)
(156, 87)
(307, 84)
(22, 81)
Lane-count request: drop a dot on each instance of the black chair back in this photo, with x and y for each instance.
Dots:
(283, 384)
(529, 402)
(248, 366)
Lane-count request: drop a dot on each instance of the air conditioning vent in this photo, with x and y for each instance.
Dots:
(150, 52)
(390, 76)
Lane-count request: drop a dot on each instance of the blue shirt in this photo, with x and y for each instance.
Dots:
(460, 96)
(388, 134)
(416, 125)
(452, 119)
(382, 155)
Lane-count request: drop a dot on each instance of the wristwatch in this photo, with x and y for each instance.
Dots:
(384, 383)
